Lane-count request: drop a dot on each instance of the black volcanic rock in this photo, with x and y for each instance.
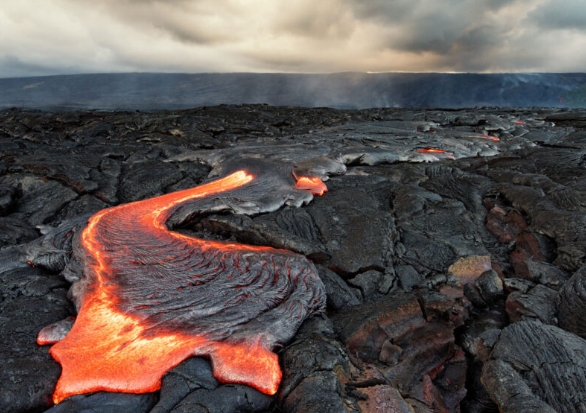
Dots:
(387, 340)
(192, 374)
(15, 231)
(7, 198)
(41, 198)
(224, 399)
(146, 179)
(316, 383)
(106, 403)
(571, 304)
(29, 300)
(537, 303)
(537, 367)
(348, 219)
(340, 294)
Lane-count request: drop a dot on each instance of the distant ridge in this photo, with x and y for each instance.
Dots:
(154, 91)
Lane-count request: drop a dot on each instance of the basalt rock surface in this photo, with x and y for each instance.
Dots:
(451, 245)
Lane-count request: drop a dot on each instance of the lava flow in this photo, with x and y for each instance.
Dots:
(430, 150)
(311, 183)
(492, 138)
(149, 298)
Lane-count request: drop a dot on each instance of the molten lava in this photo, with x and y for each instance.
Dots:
(311, 183)
(149, 298)
(492, 138)
(430, 150)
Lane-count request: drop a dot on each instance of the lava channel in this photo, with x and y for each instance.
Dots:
(149, 298)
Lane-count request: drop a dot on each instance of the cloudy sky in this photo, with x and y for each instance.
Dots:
(44, 37)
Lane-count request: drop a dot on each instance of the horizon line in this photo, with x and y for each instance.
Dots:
(293, 73)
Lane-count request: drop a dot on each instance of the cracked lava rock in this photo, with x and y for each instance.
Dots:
(149, 298)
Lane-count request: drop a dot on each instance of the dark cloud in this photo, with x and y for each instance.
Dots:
(383, 10)
(430, 32)
(197, 21)
(439, 27)
(326, 19)
(408, 12)
(476, 50)
(560, 15)
(482, 38)
(189, 33)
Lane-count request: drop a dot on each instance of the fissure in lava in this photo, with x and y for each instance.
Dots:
(150, 298)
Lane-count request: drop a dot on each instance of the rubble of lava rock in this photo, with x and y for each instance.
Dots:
(452, 246)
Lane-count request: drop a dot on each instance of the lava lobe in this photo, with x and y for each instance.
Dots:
(150, 298)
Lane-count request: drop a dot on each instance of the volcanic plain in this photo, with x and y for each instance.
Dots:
(451, 245)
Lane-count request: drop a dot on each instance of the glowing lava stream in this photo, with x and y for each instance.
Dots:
(116, 347)
(430, 150)
(311, 183)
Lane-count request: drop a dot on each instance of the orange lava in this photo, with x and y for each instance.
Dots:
(111, 350)
(492, 138)
(430, 150)
(311, 183)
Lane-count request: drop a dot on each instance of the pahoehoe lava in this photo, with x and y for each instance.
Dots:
(150, 297)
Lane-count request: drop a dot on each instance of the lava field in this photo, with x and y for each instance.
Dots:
(443, 270)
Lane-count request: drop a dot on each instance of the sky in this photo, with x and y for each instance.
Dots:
(47, 37)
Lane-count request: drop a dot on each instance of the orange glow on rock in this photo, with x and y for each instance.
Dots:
(114, 346)
(311, 183)
(42, 340)
(55, 332)
(254, 362)
(485, 136)
(430, 150)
